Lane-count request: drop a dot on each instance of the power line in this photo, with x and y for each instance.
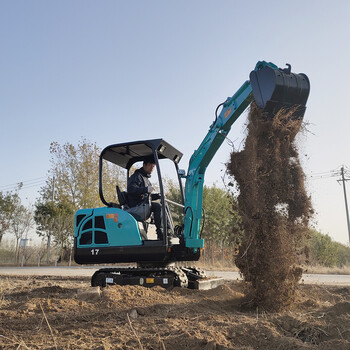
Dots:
(15, 188)
(24, 184)
(322, 172)
(325, 174)
(322, 177)
(20, 186)
(36, 185)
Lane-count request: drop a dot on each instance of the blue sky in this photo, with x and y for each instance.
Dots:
(116, 71)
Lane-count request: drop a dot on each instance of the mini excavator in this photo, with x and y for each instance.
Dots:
(112, 234)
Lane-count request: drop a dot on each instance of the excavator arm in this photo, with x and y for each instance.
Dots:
(272, 89)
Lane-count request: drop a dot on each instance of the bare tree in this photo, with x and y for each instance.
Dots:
(44, 216)
(8, 203)
(72, 184)
(22, 221)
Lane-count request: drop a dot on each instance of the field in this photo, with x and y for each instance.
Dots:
(65, 313)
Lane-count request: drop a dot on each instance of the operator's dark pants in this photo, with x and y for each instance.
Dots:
(156, 209)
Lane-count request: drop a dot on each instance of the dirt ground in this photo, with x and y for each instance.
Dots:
(56, 313)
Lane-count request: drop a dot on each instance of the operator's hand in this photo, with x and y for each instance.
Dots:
(150, 189)
(155, 196)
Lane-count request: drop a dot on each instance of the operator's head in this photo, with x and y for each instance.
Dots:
(148, 165)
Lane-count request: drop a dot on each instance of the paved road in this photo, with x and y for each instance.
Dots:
(87, 271)
(321, 279)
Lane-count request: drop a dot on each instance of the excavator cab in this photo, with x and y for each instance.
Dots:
(116, 233)
(275, 89)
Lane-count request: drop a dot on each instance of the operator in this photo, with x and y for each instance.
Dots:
(140, 189)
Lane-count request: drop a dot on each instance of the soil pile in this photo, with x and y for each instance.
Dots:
(274, 207)
(38, 313)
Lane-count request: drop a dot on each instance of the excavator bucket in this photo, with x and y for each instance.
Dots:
(275, 89)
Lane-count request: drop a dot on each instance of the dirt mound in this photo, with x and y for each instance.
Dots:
(274, 207)
(341, 308)
(50, 315)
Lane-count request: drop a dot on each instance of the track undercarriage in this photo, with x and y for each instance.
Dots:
(167, 277)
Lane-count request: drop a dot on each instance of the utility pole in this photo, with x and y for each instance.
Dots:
(343, 179)
(49, 237)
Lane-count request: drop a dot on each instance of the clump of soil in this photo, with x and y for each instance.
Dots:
(274, 207)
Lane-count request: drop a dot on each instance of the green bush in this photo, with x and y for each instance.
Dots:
(326, 252)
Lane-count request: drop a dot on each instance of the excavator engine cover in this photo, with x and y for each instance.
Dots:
(275, 89)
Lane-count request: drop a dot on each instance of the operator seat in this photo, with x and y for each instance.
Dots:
(124, 203)
(122, 198)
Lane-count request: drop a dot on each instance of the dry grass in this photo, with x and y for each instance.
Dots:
(318, 269)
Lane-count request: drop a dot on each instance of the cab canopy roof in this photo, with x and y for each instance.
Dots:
(126, 154)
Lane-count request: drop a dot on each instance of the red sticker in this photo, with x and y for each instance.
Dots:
(112, 216)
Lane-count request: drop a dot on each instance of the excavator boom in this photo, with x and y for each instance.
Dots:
(273, 89)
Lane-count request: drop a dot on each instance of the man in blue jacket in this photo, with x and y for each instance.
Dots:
(139, 192)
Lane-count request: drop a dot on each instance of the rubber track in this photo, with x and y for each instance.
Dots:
(146, 272)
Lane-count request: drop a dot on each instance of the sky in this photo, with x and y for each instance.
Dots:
(118, 71)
